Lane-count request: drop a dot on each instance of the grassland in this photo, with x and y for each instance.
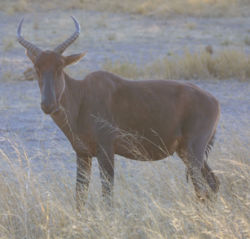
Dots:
(136, 39)
(161, 8)
(151, 201)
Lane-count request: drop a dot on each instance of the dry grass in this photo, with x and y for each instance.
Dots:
(126, 68)
(15, 6)
(8, 44)
(247, 40)
(225, 64)
(152, 200)
(206, 8)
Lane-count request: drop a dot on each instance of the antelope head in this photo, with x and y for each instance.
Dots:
(49, 66)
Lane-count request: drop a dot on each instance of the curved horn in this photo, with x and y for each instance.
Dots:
(61, 48)
(29, 46)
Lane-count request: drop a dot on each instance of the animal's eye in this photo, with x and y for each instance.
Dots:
(59, 70)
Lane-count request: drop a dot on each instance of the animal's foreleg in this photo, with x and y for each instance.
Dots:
(106, 167)
(82, 180)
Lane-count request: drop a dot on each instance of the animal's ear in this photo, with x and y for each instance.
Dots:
(31, 56)
(73, 58)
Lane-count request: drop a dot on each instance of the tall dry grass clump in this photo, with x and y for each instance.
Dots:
(225, 64)
(152, 200)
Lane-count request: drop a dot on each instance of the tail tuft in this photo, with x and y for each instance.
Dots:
(210, 145)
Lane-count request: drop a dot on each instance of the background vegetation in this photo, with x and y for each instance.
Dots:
(226, 64)
(162, 8)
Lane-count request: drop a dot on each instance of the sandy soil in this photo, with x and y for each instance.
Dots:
(108, 36)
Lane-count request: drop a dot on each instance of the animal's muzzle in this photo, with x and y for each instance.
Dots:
(48, 108)
(48, 96)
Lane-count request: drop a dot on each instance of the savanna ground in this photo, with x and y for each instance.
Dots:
(137, 39)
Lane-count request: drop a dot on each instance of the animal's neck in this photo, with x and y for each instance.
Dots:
(71, 98)
(70, 104)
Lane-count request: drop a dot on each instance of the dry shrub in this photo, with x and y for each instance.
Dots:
(225, 64)
(232, 63)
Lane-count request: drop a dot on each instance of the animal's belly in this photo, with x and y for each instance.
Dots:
(139, 157)
(145, 150)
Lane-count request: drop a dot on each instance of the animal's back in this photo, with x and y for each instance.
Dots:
(135, 104)
(148, 103)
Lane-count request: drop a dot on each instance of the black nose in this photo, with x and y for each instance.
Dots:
(47, 108)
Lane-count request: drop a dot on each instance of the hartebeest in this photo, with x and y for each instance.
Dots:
(157, 117)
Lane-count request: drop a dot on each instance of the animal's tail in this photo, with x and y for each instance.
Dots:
(210, 145)
(207, 172)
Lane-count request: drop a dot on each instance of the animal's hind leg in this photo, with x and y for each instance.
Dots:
(210, 177)
(200, 185)
(194, 163)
